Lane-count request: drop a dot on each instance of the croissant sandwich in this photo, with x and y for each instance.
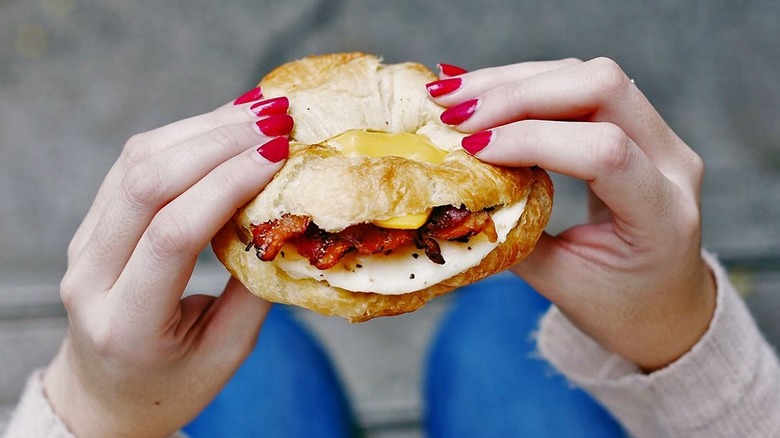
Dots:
(378, 209)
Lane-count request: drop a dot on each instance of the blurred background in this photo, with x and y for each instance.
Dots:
(78, 77)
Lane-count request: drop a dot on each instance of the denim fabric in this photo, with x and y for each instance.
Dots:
(485, 379)
(286, 388)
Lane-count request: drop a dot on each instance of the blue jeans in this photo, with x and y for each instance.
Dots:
(483, 379)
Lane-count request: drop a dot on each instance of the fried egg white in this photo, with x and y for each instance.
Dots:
(403, 270)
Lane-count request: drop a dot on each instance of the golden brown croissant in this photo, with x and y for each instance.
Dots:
(378, 209)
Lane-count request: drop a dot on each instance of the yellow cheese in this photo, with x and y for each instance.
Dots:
(408, 222)
(358, 142)
(382, 144)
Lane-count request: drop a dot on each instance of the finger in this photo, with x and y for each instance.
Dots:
(468, 85)
(640, 198)
(449, 70)
(541, 269)
(142, 146)
(151, 184)
(161, 263)
(597, 91)
(233, 322)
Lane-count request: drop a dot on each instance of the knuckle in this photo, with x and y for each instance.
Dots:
(70, 287)
(692, 222)
(137, 148)
(107, 340)
(696, 165)
(169, 235)
(143, 184)
(688, 223)
(608, 77)
(571, 61)
(226, 137)
(516, 98)
(103, 342)
(614, 152)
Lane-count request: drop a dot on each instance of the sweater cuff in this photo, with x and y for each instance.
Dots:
(34, 416)
(727, 385)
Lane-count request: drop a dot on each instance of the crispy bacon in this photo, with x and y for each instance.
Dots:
(268, 237)
(432, 249)
(452, 223)
(324, 250)
(371, 239)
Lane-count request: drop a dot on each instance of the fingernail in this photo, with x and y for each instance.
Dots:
(275, 150)
(273, 126)
(451, 70)
(476, 142)
(270, 107)
(250, 96)
(460, 112)
(444, 86)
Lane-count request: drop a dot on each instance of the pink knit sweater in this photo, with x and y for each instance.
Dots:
(728, 385)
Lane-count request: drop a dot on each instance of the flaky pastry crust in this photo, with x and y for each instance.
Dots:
(331, 94)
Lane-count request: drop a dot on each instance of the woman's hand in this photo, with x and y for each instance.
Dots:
(138, 360)
(631, 277)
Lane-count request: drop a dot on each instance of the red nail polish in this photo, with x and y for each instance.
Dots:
(276, 125)
(476, 142)
(460, 112)
(444, 86)
(451, 70)
(250, 96)
(275, 150)
(271, 107)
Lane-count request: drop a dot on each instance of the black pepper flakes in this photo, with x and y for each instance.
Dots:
(415, 255)
(411, 276)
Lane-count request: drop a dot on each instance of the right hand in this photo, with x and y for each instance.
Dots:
(138, 360)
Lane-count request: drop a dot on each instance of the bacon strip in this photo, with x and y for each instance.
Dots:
(324, 250)
(268, 237)
(451, 223)
(371, 239)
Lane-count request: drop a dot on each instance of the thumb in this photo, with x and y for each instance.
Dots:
(236, 319)
(542, 267)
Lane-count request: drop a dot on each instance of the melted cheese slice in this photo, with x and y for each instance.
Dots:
(359, 142)
(416, 147)
(403, 270)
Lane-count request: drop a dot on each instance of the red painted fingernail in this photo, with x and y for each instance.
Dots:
(444, 86)
(250, 96)
(460, 112)
(276, 125)
(451, 70)
(476, 142)
(275, 150)
(271, 107)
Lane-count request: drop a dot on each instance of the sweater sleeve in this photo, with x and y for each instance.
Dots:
(35, 418)
(727, 385)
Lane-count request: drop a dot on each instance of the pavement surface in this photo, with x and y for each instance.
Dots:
(79, 77)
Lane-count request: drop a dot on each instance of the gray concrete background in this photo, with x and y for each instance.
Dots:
(78, 77)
